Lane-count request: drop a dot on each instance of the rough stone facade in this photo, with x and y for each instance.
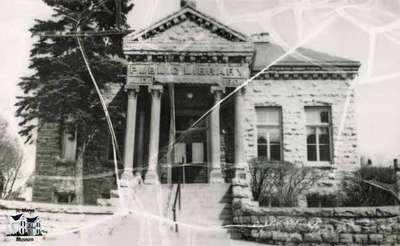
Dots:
(48, 148)
(191, 50)
(293, 96)
(313, 226)
(54, 175)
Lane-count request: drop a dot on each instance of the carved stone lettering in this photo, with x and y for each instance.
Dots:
(188, 69)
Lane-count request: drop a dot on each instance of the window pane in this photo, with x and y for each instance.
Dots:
(274, 134)
(275, 152)
(317, 115)
(311, 135)
(323, 135)
(311, 116)
(261, 140)
(270, 116)
(262, 150)
(180, 153)
(324, 116)
(324, 153)
(197, 152)
(311, 152)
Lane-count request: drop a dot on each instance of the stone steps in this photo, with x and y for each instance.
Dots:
(206, 205)
(203, 205)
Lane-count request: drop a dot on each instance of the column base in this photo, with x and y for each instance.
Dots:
(216, 176)
(126, 178)
(151, 178)
(240, 173)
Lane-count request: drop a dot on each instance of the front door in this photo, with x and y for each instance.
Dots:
(190, 156)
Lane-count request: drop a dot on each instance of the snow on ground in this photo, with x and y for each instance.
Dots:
(126, 229)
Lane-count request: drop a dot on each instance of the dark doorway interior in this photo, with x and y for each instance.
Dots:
(191, 142)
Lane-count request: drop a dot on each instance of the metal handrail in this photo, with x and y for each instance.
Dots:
(177, 200)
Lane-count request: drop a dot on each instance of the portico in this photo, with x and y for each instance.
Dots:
(185, 49)
(196, 146)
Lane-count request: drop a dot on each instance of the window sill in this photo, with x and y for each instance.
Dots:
(320, 164)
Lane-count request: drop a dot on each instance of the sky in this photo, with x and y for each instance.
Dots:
(363, 30)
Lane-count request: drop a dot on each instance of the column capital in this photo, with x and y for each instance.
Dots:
(156, 89)
(217, 89)
(132, 91)
(241, 91)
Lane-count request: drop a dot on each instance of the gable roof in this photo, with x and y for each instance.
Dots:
(267, 53)
(178, 17)
(190, 30)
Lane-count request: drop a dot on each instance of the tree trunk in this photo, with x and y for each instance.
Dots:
(79, 179)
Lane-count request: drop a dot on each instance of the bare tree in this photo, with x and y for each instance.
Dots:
(11, 156)
(280, 182)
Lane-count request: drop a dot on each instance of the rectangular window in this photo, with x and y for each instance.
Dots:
(269, 133)
(69, 145)
(63, 197)
(319, 145)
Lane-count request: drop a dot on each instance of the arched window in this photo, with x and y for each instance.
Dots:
(262, 140)
(262, 147)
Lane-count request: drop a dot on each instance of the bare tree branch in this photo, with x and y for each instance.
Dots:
(11, 157)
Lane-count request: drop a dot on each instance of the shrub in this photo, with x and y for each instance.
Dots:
(322, 200)
(356, 192)
(382, 174)
(280, 183)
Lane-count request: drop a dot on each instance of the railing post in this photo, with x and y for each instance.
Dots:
(174, 218)
(176, 199)
(179, 187)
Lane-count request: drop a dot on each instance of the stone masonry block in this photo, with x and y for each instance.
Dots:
(361, 238)
(346, 238)
(312, 237)
(375, 238)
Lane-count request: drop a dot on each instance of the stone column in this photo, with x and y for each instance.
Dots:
(242, 179)
(240, 158)
(151, 175)
(215, 172)
(129, 147)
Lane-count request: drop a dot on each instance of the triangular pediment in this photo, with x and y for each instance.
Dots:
(187, 25)
(186, 32)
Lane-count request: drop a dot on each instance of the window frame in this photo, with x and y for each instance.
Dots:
(69, 145)
(70, 197)
(317, 127)
(266, 125)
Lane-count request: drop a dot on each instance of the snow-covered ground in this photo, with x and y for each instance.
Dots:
(125, 229)
(106, 226)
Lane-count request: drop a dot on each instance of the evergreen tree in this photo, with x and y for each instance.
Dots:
(61, 89)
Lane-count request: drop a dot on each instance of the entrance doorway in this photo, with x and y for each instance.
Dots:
(190, 155)
(191, 142)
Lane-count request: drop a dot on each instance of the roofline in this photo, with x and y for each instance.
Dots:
(325, 63)
(189, 9)
(324, 66)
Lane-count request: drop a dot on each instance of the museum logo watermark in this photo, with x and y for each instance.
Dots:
(24, 226)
